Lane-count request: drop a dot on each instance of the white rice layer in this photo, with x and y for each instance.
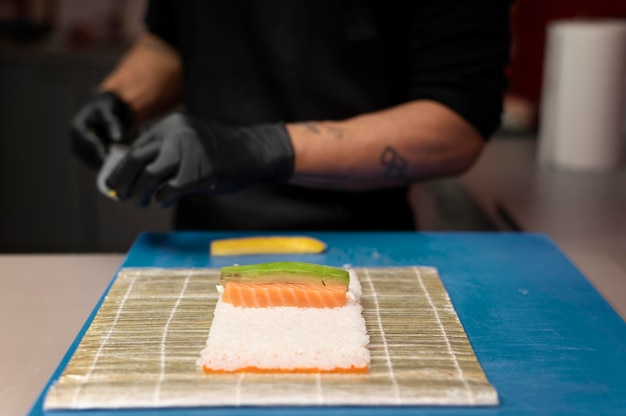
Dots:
(288, 338)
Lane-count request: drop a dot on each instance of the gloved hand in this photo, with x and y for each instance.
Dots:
(105, 119)
(181, 155)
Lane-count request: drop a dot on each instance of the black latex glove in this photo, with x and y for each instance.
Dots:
(181, 156)
(105, 119)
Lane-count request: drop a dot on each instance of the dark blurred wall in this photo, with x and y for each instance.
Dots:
(48, 199)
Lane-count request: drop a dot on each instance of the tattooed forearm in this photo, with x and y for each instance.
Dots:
(394, 164)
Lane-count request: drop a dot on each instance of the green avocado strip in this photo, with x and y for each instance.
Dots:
(285, 272)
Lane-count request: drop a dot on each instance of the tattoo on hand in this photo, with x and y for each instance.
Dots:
(395, 165)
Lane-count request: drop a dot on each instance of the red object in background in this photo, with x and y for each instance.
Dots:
(529, 21)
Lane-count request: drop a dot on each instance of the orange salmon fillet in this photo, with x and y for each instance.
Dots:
(338, 370)
(262, 295)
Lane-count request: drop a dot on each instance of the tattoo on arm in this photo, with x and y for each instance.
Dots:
(335, 131)
(312, 127)
(316, 128)
(395, 165)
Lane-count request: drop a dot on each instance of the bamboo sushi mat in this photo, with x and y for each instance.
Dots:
(141, 349)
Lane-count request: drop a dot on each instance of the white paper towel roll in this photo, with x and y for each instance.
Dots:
(582, 106)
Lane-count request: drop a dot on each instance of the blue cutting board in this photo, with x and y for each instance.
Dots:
(547, 341)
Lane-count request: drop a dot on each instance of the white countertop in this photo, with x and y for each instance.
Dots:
(44, 301)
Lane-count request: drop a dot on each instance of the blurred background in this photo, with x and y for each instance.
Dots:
(53, 53)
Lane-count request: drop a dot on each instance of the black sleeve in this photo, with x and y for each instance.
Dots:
(160, 18)
(458, 52)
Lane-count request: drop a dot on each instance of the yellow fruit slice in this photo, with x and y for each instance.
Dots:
(266, 245)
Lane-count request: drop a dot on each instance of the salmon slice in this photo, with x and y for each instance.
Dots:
(263, 295)
(338, 370)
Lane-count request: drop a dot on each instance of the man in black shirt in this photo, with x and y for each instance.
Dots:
(310, 114)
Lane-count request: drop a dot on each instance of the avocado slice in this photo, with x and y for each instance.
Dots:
(286, 272)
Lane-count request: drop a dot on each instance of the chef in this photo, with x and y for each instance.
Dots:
(310, 114)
